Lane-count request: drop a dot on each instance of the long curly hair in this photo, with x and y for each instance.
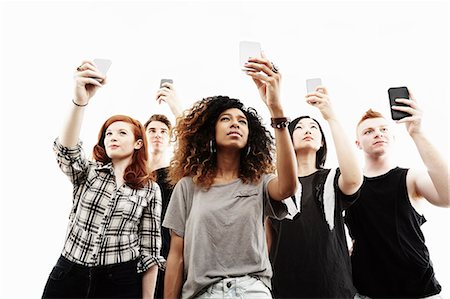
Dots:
(193, 155)
(137, 174)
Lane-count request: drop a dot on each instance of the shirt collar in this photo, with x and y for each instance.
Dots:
(105, 167)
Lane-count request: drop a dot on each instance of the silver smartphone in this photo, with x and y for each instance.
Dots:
(311, 84)
(102, 65)
(164, 81)
(248, 49)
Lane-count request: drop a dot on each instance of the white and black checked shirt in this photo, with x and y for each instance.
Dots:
(109, 225)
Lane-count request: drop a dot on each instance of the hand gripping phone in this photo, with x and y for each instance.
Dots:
(395, 93)
(246, 50)
(164, 81)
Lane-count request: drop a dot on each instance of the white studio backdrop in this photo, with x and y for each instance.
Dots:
(358, 48)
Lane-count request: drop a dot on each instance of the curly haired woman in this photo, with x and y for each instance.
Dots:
(225, 188)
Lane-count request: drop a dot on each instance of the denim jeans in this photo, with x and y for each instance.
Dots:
(237, 287)
(70, 280)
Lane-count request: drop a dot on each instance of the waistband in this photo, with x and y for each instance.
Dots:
(63, 261)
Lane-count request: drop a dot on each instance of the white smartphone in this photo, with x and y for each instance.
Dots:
(311, 84)
(246, 50)
(102, 65)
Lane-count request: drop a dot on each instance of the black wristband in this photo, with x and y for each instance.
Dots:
(79, 105)
(279, 122)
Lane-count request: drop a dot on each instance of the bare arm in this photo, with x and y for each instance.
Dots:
(434, 185)
(168, 94)
(351, 177)
(268, 229)
(149, 282)
(85, 88)
(268, 82)
(174, 277)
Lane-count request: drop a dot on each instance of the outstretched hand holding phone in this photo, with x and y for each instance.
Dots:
(88, 78)
(167, 94)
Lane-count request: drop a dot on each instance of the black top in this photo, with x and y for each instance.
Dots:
(166, 192)
(309, 260)
(389, 258)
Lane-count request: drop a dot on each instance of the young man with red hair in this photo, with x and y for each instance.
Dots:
(390, 258)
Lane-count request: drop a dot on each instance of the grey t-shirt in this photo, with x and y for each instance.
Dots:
(223, 231)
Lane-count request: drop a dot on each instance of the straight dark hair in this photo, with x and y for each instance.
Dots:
(321, 154)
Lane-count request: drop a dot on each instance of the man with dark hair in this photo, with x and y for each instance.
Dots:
(158, 129)
(389, 257)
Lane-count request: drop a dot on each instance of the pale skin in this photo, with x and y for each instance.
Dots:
(375, 138)
(167, 94)
(158, 155)
(118, 133)
(158, 139)
(231, 138)
(351, 177)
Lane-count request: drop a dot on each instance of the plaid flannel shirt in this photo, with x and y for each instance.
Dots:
(109, 225)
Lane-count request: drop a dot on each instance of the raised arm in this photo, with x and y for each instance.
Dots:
(168, 94)
(267, 79)
(351, 177)
(432, 185)
(87, 79)
(174, 277)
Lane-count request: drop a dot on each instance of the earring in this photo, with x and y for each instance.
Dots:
(212, 147)
(248, 150)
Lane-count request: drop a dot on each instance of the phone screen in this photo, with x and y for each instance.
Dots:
(246, 50)
(396, 93)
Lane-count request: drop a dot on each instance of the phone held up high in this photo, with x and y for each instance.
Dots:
(102, 65)
(164, 81)
(311, 84)
(396, 93)
(246, 50)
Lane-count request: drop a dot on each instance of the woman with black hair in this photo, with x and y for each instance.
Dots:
(308, 250)
(225, 188)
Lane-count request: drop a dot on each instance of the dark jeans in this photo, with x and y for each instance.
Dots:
(70, 280)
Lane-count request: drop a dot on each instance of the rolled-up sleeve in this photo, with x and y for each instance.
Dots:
(150, 233)
(72, 161)
(273, 208)
(179, 206)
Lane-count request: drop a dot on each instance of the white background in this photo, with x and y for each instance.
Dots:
(358, 48)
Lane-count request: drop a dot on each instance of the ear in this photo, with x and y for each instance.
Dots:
(138, 144)
(358, 144)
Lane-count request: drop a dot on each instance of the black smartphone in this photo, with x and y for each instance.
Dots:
(395, 93)
(164, 81)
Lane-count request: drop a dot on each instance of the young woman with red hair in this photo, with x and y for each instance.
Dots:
(113, 239)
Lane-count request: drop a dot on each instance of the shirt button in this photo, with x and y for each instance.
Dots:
(229, 284)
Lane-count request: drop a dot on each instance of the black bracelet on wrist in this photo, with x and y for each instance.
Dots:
(79, 105)
(279, 122)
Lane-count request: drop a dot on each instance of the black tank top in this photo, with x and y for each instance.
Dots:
(309, 260)
(389, 258)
